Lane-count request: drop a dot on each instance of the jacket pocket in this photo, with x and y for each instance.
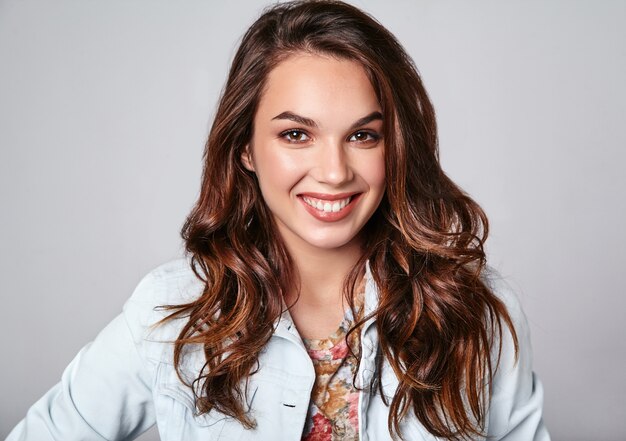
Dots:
(177, 416)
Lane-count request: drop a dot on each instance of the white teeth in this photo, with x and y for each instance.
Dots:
(327, 206)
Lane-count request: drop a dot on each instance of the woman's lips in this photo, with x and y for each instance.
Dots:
(329, 208)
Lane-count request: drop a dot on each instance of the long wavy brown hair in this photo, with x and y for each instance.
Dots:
(438, 322)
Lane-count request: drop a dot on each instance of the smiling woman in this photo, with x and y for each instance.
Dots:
(336, 285)
(321, 170)
(318, 153)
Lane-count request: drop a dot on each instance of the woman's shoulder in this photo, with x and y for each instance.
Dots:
(505, 292)
(510, 348)
(172, 283)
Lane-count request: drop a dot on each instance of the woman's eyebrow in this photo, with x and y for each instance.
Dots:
(296, 118)
(367, 119)
(311, 123)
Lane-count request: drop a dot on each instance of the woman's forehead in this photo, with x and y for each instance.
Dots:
(323, 88)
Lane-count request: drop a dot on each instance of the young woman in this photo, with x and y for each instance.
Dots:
(335, 287)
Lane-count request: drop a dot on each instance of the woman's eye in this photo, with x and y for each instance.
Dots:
(364, 137)
(295, 136)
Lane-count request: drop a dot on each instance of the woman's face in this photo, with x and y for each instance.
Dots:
(318, 150)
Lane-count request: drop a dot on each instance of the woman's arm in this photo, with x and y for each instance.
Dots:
(515, 411)
(106, 391)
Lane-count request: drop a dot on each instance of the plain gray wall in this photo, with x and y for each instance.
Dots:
(105, 106)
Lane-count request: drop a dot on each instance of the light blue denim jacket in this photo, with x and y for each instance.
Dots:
(124, 382)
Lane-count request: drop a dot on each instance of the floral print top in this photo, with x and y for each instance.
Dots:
(333, 409)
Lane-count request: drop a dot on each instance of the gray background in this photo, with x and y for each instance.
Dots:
(105, 106)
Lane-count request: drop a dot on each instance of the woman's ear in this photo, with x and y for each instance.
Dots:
(246, 159)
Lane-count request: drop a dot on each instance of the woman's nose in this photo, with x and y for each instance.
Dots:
(333, 164)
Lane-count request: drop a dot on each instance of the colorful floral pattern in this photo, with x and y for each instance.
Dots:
(333, 409)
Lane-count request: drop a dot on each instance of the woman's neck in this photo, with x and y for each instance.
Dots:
(321, 272)
(317, 305)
